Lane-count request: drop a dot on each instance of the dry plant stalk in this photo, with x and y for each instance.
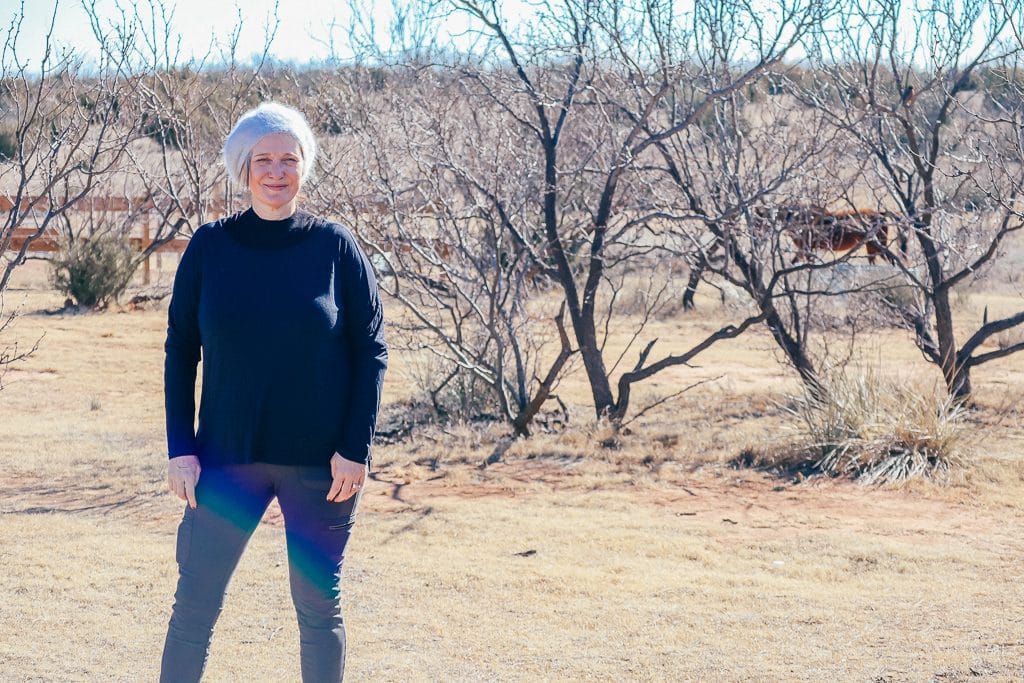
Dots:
(878, 430)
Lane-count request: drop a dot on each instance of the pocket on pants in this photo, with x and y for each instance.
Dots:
(341, 516)
(184, 542)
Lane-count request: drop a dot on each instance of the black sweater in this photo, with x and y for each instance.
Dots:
(290, 325)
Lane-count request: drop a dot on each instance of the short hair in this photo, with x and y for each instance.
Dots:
(254, 125)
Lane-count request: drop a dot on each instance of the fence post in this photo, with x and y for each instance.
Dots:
(145, 246)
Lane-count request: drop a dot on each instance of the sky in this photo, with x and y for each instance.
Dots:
(308, 31)
(304, 30)
(304, 35)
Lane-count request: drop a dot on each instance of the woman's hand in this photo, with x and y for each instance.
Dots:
(182, 477)
(348, 477)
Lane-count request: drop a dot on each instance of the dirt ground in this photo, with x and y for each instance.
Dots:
(652, 559)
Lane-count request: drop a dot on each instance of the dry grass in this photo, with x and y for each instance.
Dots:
(880, 429)
(652, 559)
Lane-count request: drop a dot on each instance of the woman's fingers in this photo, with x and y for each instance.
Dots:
(190, 491)
(343, 488)
(182, 477)
(336, 485)
(348, 477)
(178, 486)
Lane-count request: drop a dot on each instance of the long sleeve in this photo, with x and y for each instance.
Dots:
(364, 330)
(286, 319)
(182, 353)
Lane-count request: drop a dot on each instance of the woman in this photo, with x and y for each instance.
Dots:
(284, 310)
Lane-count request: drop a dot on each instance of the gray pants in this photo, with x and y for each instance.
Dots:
(231, 500)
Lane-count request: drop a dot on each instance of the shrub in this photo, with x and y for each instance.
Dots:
(878, 430)
(900, 297)
(8, 144)
(95, 271)
(164, 131)
(454, 393)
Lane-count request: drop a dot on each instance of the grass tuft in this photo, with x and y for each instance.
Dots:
(877, 430)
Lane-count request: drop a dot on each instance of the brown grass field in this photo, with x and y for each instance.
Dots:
(652, 559)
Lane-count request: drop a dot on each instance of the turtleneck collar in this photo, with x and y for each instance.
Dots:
(252, 231)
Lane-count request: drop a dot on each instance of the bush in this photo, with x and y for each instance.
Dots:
(164, 131)
(454, 393)
(95, 271)
(8, 144)
(880, 431)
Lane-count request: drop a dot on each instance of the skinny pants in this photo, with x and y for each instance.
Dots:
(230, 502)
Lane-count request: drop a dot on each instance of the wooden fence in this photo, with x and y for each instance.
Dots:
(49, 241)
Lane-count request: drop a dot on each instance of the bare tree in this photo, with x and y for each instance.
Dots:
(752, 153)
(67, 131)
(184, 108)
(11, 353)
(591, 87)
(425, 208)
(903, 85)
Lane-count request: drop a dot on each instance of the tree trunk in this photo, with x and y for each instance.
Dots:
(956, 371)
(593, 362)
(794, 351)
(959, 385)
(580, 313)
(790, 344)
(691, 286)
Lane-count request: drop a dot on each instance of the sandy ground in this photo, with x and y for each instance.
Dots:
(726, 576)
(651, 560)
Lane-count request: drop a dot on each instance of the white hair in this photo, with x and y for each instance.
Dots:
(253, 126)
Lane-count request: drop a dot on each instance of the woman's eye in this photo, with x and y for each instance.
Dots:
(266, 161)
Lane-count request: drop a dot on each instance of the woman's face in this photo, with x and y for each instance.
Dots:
(275, 171)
